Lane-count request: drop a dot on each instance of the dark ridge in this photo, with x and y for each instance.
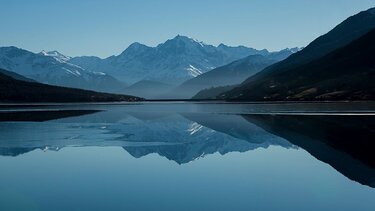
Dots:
(13, 90)
(337, 66)
(41, 116)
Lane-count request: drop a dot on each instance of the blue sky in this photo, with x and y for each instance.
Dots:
(107, 27)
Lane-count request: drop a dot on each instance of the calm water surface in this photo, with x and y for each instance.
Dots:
(184, 156)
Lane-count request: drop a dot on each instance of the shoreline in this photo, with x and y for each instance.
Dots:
(40, 104)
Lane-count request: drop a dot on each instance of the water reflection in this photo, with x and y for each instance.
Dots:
(344, 142)
(181, 137)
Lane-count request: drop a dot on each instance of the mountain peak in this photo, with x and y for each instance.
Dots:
(55, 54)
(173, 61)
(295, 49)
(222, 45)
(51, 53)
(135, 49)
(137, 45)
(186, 39)
(182, 37)
(43, 52)
(11, 48)
(292, 50)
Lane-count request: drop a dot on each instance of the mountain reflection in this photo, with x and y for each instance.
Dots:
(188, 136)
(344, 142)
(180, 137)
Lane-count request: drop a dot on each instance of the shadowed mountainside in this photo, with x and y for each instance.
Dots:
(147, 89)
(337, 66)
(13, 90)
(230, 74)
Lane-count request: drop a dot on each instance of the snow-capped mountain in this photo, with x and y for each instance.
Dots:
(55, 54)
(53, 68)
(173, 61)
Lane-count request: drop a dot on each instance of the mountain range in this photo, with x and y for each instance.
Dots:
(52, 68)
(171, 62)
(156, 68)
(336, 66)
(339, 65)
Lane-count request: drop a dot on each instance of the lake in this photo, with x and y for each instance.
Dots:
(187, 156)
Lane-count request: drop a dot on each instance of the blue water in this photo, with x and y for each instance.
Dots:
(186, 157)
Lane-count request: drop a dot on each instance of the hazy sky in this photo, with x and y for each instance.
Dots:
(107, 27)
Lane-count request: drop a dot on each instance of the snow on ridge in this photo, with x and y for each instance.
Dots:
(99, 73)
(202, 44)
(56, 55)
(73, 72)
(197, 41)
(44, 53)
(193, 71)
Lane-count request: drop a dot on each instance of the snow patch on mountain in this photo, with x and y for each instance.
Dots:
(99, 73)
(73, 72)
(56, 55)
(193, 71)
